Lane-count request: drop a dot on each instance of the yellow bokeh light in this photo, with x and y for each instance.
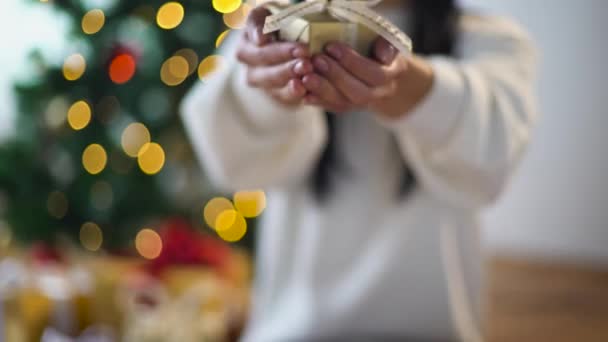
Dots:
(178, 67)
(170, 15)
(57, 204)
(74, 67)
(93, 21)
(79, 115)
(148, 243)
(174, 71)
(94, 159)
(238, 18)
(5, 236)
(91, 236)
(134, 137)
(208, 66)
(226, 6)
(151, 158)
(221, 37)
(191, 58)
(250, 203)
(231, 226)
(214, 208)
(102, 195)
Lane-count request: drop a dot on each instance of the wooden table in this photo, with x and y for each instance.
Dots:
(538, 302)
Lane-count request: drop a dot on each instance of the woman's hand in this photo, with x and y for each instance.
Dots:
(276, 67)
(389, 85)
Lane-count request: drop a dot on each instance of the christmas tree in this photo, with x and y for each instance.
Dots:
(99, 143)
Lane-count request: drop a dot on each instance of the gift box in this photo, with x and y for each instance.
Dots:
(318, 29)
(318, 22)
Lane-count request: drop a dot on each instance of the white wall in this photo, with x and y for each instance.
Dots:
(557, 206)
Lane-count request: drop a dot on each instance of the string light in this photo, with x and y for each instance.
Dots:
(220, 38)
(174, 71)
(214, 208)
(122, 68)
(79, 115)
(74, 67)
(91, 236)
(134, 137)
(250, 203)
(191, 58)
(94, 159)
(170, 15)
(148, 243)
(208, 66)
(57, 204)
(226, 6)
(93, 21)
(231, 226)
(238, 18)
(151, 158)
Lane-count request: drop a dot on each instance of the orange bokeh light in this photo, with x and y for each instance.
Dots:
(122, 68)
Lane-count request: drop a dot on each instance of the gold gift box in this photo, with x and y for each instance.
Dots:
(318, 29)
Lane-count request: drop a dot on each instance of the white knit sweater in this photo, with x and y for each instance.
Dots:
(364, 263)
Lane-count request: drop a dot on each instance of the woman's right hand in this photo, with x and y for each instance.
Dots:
(276, 67)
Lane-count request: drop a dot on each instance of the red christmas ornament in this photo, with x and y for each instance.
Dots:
(43, 253)
(183, 245)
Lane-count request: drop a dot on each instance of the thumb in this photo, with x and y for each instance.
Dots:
(255, 26)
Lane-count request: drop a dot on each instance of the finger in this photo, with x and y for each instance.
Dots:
(384, 51)
(277, 76)
(353, 89)
(326, 92)
(270, 54)
(293, 93)
(367, 70)
(255, 25)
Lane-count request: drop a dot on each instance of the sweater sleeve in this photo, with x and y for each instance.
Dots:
(466, 137)
(244, 138)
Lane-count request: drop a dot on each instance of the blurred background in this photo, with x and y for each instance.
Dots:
(108, 229)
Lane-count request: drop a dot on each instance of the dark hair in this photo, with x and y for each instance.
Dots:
(434, 32)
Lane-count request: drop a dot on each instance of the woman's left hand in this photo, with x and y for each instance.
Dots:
(346, 81)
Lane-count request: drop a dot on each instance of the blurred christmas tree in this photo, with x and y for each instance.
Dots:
(98, 138)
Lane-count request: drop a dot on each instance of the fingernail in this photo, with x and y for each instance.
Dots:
(321, 64)
(299, 52)
(299, 68)
(310, 82)
(389, 55)
(257, 37)
(334, 50)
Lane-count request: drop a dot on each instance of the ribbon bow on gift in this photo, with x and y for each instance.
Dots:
(354, 11)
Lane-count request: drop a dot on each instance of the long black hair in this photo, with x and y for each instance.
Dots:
(434, 30)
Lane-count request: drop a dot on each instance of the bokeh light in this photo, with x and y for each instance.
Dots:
(54, 115)
(174, 71)
(148, 243)
(220, 39)
(122, 68)
(79, 115)
(238, 18)
(226, 6)
(6, 237)
(74, 67)
(94, 159)
(93, 21)
(214, 208)
(170, 15)
(91, 236)
(208, 66)
(57, 204)
(250, 203)
(191, 58)
(102, 195)
(231, 226)
(134, 137)
(151, 158)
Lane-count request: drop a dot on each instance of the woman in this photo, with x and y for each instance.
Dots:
(371, 228)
